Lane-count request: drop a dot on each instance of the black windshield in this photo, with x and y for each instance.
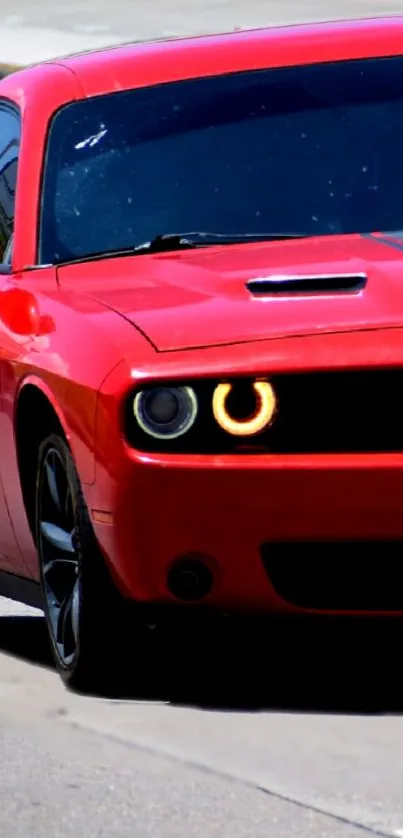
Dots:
(317, 149)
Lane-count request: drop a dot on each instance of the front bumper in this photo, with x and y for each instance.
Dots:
(235, 511)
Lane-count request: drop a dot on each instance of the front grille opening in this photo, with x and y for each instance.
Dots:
(337, 576)
(336, 412)
(317, 413)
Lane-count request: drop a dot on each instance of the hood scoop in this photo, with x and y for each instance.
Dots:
(307, 284)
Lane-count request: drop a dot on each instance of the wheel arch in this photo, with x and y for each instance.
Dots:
(36, 416)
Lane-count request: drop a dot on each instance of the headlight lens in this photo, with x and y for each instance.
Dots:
(166, 412)
(259, 419)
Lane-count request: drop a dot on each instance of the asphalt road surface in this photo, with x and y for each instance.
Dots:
(291, 733)
(149, 18)
(30, 31)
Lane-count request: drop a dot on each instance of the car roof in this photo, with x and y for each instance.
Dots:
(143, 63)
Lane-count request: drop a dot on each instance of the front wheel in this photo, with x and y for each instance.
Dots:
(82, 607)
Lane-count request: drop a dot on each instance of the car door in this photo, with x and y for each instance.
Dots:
(10, 129)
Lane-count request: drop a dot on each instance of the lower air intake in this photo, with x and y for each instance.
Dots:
(337, 576)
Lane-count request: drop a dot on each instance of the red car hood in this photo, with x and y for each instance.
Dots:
(199, 297)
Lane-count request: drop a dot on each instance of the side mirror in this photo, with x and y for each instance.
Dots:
(19, 313)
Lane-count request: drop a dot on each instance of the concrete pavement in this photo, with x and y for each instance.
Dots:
(289, 745)
(32, 31)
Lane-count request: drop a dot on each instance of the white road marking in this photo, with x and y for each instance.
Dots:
(10, 608)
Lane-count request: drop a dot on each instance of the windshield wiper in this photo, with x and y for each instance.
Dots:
(182, 241)
(188, 241)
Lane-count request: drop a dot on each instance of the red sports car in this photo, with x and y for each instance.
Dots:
(201, 332)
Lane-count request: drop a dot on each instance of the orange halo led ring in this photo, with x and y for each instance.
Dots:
(257, 422)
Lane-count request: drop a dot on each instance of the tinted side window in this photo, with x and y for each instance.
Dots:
(9, 150)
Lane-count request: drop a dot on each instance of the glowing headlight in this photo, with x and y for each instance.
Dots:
(255, 423)
(166, 412)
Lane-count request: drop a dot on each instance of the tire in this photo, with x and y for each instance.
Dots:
(83, 610)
